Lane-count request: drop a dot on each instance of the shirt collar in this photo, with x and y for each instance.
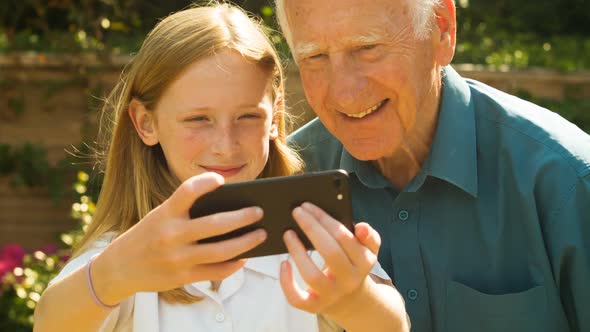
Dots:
(367, 174)
(452, 157)
(267, 265)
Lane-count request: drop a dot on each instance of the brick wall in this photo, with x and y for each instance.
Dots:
(51, 101)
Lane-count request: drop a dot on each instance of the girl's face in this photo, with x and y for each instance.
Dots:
(216, 117)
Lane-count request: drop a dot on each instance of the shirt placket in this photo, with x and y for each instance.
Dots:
(219, 317)
(408, 267)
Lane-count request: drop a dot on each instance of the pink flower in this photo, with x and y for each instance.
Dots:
(11, 256)
(12, 251)
(48, 249)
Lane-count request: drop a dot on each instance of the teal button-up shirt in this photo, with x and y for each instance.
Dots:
(493, 234)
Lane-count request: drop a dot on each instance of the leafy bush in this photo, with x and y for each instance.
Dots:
(497, 33)
(24, 276)
(65, 26)
(518, 34)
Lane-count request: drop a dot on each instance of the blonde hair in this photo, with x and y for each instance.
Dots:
(136, 176)
(422, 12)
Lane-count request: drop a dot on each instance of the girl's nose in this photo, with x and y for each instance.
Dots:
(226, 141)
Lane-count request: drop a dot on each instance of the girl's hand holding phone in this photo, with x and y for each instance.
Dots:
(161, 251)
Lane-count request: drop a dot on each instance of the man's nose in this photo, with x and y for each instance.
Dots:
(346, 85)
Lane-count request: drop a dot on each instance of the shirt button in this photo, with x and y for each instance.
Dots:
(219, 317)
(403, 215)
(412, 294)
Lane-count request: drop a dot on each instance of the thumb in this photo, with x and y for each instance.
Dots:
(185, 195)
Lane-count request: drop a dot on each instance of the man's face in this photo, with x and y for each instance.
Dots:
(364, 73)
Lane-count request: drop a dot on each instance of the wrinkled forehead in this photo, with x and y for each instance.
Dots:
(312, 23)
(330, 12)
(307, 45)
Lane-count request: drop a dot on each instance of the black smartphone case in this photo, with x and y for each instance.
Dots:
(278, 197)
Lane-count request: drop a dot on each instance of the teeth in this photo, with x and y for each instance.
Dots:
(362, 114)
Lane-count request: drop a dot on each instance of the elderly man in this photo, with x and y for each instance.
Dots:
(482, 200)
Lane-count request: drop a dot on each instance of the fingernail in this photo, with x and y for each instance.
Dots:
(261, 234)
(306, 205)
(257, 211)
(196, 181)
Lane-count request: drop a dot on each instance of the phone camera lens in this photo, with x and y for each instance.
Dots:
(337, 183)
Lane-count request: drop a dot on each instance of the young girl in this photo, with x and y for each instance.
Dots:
(202, 104)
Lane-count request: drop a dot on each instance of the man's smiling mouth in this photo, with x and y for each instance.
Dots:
(372, 109)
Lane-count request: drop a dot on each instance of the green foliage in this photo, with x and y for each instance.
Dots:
(79, 26)
(498, 33)
(575, 110)
(9, 319)
(20, 289)
(27, 165)
(268, 17)
(541, 17)
(23, 286)
(17, 104)
(28, 162)
(524, 34)
(66, 26)
(523, 50)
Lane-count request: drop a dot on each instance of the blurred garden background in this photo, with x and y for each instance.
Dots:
(58, 58)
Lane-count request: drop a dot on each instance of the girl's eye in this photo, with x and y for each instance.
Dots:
(250, 116)
(197, 119)
(316, 56)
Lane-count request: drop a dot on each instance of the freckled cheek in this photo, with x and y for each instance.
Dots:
(249, 135)
(194, 145)
(254, 141)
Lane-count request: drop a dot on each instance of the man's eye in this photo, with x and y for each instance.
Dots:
(368, 47)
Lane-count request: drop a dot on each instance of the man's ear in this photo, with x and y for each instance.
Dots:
(444, 32)
(144, 122)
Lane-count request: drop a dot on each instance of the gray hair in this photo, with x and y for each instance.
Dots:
(422, 14)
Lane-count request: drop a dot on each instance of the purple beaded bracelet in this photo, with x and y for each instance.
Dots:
(91, 286)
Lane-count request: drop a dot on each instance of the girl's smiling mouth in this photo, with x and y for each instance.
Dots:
(224, 170)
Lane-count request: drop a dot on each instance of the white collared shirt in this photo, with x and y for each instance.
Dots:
(251, 299)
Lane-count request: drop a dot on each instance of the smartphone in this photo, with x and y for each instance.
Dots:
(278, 196)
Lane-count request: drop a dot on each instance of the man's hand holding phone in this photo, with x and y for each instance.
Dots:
(349, 258)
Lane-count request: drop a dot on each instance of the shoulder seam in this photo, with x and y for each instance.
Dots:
(579, 172)
(566, 197)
